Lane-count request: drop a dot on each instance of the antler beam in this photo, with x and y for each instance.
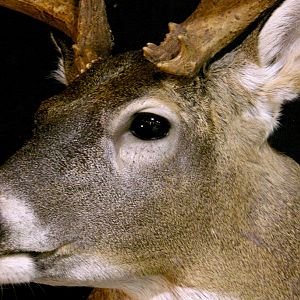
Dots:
(212, 26)
(61, 14)
(84, 21)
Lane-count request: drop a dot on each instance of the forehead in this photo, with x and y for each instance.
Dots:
(134, 77)
(112, 84)
(120, 80)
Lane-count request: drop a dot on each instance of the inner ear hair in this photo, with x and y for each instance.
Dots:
(280, 35)
(279, 52)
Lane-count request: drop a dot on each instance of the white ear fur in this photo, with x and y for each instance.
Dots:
(59, 73)
(280, 34)
(279, 51)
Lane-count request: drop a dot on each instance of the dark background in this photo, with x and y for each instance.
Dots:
(27, 57)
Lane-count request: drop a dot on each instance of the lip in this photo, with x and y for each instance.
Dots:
(17, 267)
(62, 250)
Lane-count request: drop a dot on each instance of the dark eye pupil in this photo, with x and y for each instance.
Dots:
(148, 126)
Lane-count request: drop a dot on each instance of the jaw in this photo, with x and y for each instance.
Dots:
(79, 270)
(52, 269)
(94, 271)
(145, 288)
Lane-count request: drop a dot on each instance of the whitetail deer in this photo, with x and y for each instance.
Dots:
(164, 186)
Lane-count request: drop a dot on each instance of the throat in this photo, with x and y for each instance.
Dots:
(157, 288)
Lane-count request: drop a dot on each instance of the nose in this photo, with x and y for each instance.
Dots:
(2, 235)
(1, 231)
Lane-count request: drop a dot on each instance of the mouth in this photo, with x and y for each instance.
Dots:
(32, 254)
(64, 249)
(23, 266)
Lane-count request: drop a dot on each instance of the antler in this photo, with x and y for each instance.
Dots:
(94, 38)
(212, 26)
(84, 21)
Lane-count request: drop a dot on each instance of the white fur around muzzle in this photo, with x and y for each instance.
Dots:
(16, 269)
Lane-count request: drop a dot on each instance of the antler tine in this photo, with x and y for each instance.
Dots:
(94, 38)
(211, 27)
(84, 21)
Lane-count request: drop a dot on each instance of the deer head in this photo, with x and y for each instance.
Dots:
(163, 186)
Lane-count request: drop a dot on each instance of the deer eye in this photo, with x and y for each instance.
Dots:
(148, 126)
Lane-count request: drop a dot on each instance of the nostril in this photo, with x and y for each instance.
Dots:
(2, 233)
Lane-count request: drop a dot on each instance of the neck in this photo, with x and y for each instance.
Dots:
(158, 288)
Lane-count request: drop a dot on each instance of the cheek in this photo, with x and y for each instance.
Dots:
(132, 153)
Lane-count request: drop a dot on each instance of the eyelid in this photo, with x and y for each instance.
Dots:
(164, 109)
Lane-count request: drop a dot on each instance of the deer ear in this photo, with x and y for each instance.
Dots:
(279, 51)
(59, 72)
